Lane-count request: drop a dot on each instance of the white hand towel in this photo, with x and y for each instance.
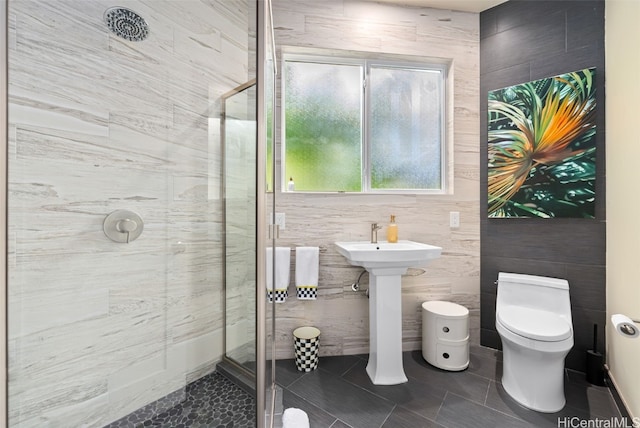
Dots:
(295, 418)
(283, 261)
(307, 266)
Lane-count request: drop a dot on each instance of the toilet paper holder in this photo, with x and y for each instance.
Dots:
(625, 326)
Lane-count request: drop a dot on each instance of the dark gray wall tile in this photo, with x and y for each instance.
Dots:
(585, 24)
(566, 240)
(528, 40)
(502, 78)
(587, 284)
(490, 338)
(487, 316)
(519, 13)
(583, 321)
(488, 24)
(553, 65)
(506, 48)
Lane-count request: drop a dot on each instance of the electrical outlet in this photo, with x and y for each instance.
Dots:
(454, 219)
(280, 220)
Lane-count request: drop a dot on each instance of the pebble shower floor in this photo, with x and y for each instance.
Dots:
(212, 401)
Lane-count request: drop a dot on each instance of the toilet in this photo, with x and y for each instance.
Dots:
(533, 319)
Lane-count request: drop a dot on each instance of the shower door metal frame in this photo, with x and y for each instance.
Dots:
(263, 38)
(4, 420)
(236, 365)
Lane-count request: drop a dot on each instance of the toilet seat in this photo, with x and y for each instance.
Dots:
(534, 324)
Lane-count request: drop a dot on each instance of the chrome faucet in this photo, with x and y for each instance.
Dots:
(374, 232)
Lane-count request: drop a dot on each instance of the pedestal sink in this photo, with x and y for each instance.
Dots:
(386, 263)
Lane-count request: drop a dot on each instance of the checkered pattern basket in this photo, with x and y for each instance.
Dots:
(280, 295)
(306, 292)
(306, 346)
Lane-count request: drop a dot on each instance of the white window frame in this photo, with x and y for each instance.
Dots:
(367, 61)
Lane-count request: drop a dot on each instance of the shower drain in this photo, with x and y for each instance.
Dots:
(126, 24)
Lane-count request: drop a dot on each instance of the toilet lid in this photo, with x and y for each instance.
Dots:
(534, 323)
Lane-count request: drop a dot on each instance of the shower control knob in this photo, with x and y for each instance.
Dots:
(123, 226)
(126, 226)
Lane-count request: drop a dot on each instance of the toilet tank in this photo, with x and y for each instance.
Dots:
(537, 292)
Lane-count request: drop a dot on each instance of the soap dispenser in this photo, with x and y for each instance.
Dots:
(392, 230)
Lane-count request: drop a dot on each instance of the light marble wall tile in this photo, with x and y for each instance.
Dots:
(322, 219)
(99, 329)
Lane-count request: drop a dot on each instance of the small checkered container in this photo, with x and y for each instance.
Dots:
(306, 346)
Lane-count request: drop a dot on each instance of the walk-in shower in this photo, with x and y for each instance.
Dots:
(119, 110)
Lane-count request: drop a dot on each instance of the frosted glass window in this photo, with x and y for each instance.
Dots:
(356, 125)
(323, 133)
(405, 128)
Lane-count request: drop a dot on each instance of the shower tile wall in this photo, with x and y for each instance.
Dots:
(321, 219)
(98, 329)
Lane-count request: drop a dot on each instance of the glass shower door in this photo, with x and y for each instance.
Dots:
(239, 193)
(113, 110)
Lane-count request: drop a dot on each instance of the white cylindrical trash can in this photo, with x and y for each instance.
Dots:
(306, 346)
(445, 335)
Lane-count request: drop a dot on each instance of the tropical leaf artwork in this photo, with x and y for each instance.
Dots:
(542, 148)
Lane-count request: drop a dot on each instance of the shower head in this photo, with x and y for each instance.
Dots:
(126, 23)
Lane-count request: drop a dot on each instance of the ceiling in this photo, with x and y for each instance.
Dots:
(463, 5)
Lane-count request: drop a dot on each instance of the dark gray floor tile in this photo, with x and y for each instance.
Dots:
(419, 397)
(338, 424)
(286, 372)
(318, 418)
(579, 378)
(349, 403)
(458, 412)
(597, 402)
(483, 351)
(403, 418)
(486, 367)
(474, 397)
(498, 399)
(338, 365)
(463, 383)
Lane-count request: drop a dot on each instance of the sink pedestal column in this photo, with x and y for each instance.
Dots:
(385, 326)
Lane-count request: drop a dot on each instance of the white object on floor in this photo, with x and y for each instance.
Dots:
(295, 418)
